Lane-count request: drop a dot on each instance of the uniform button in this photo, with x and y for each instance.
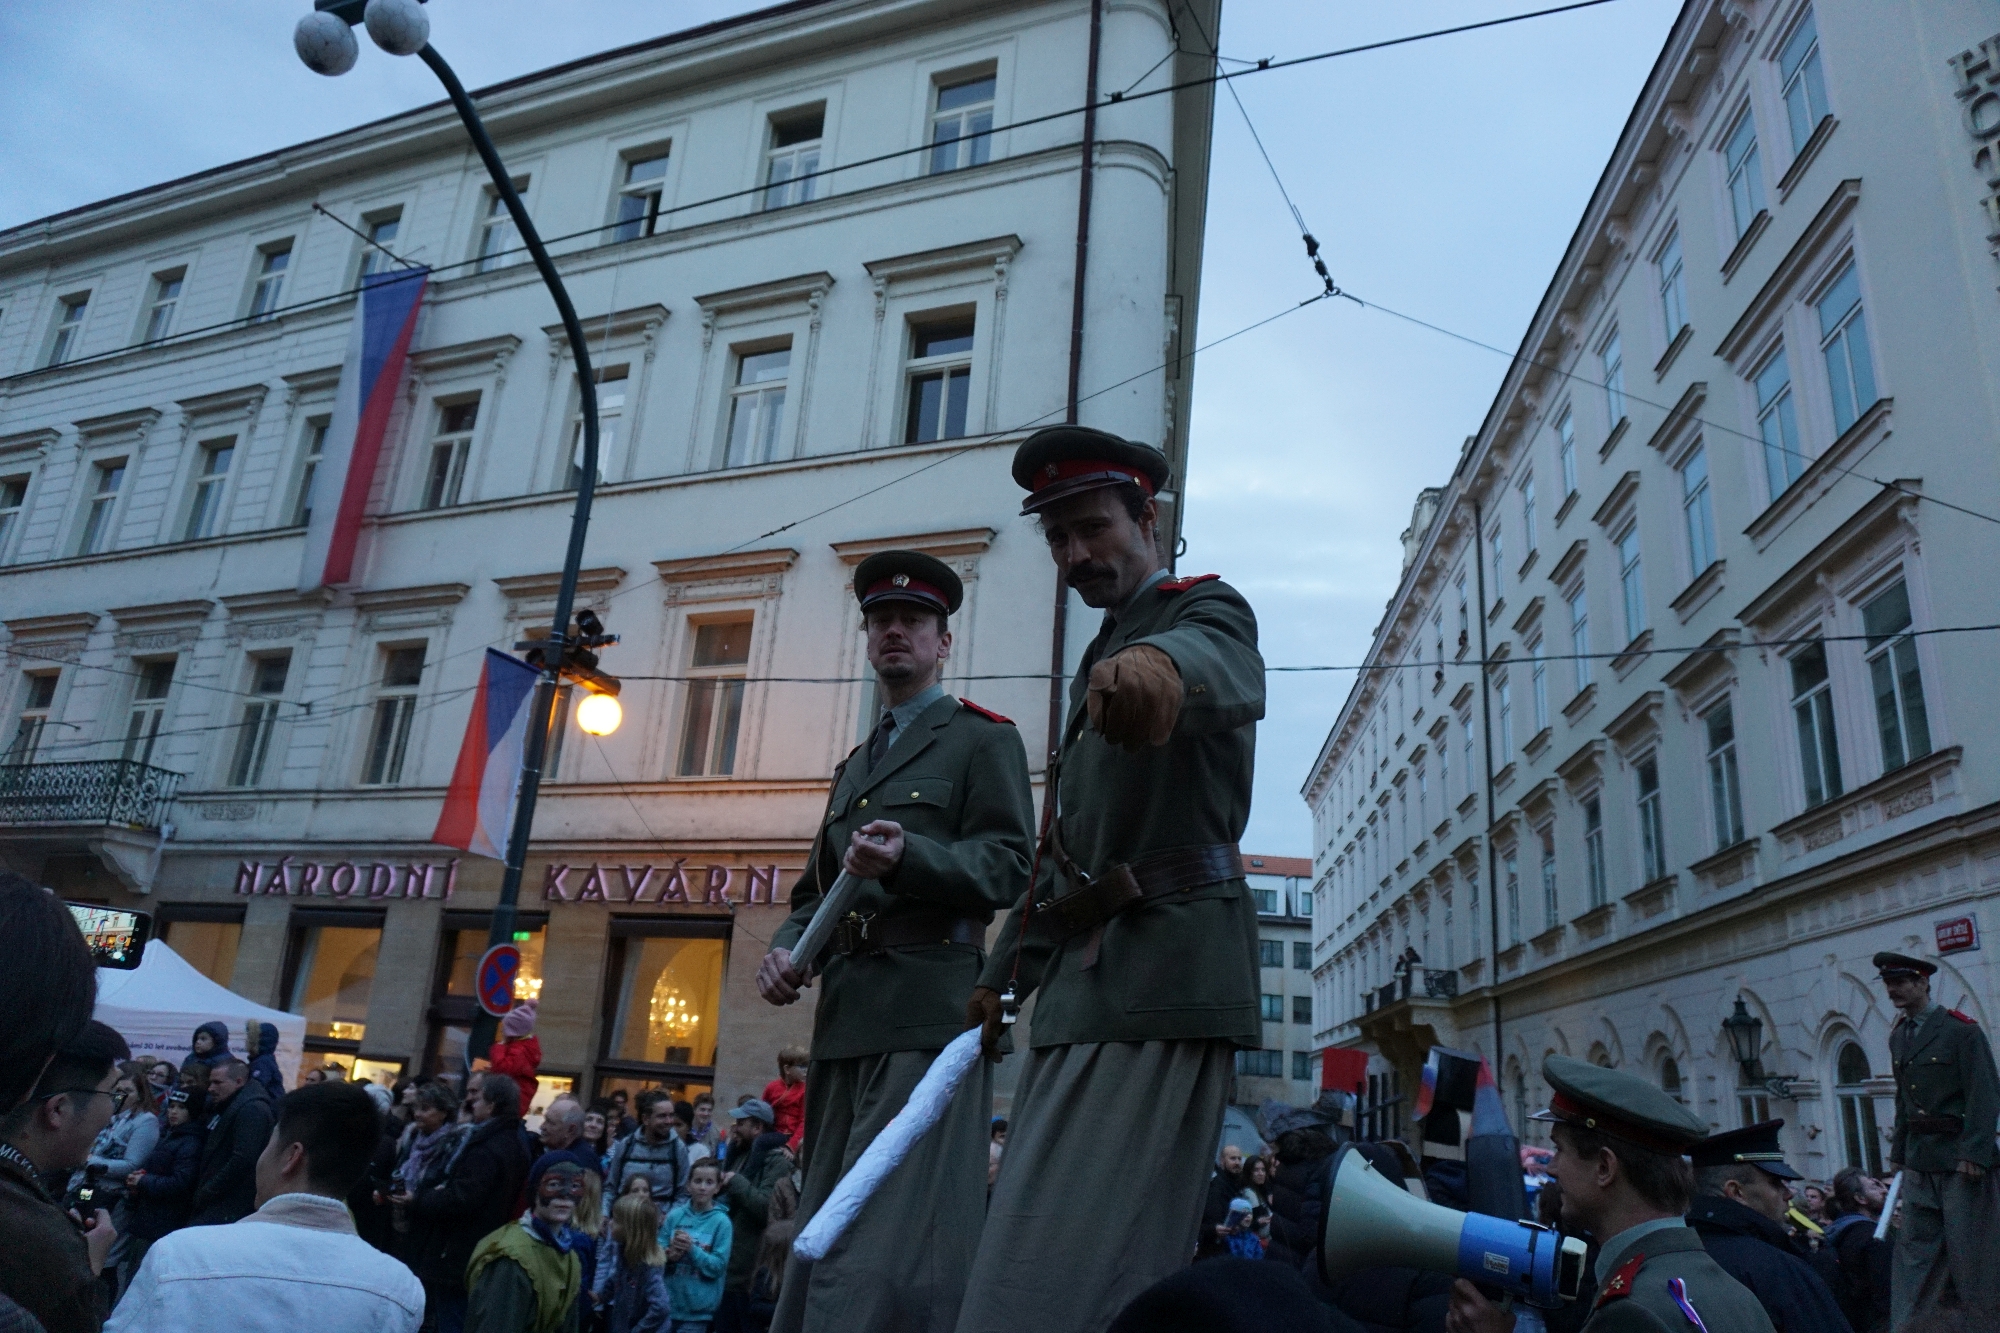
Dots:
(864, 803)
(915, 794)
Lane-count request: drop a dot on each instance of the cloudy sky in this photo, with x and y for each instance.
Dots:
(1442, 179)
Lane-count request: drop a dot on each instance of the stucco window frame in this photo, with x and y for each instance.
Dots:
(910, 288)
(621, 150)
(25, 455)
(440, 377)
(997, 56)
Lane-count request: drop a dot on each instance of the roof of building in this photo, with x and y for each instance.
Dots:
(1277, 865)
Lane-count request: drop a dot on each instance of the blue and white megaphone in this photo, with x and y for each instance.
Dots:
(1374, 1223)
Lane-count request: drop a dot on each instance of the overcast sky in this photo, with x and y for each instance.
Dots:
(1442, 179)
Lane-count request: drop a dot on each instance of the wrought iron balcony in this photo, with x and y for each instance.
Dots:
(120, 792)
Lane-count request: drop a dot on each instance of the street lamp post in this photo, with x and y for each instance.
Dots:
(1745, 1032)
(325, 41)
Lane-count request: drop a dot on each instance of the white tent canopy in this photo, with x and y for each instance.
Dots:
(157, 1005)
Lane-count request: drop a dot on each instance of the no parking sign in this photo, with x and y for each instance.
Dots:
(494, 979)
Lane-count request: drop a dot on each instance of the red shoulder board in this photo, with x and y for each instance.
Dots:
(1182, 585)
(986, 712)
(1620, 1285)
(1963, 1018)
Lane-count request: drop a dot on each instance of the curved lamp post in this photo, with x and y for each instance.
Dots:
(1745, 1032)
(325, 41)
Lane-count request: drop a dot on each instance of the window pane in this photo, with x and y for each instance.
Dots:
(403, 666)
(695, 730)
(336, 977)
(759, 367)
(646, 169)
(964, 94)
(468, 946)
(209, 946)
(942, 339)
(726, 644)
(1270, 953)
(665, 999)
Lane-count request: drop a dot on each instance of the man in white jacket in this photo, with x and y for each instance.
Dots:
(296, 1263)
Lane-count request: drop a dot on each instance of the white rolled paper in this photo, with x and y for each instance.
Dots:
(925, 1108)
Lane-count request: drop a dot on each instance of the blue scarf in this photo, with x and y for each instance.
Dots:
(561, 1241)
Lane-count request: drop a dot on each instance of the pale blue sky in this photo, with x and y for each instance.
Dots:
(1442, 179)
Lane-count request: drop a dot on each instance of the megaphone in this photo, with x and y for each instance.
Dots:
(1374, 1223)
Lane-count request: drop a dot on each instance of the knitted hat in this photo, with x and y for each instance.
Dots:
(520, 1020)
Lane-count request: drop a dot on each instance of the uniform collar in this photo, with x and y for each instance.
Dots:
(1146, 585)
(911, 708)
(1618, 1249)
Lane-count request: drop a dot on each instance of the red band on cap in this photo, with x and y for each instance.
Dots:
(1571, 1112)
(914, 589)
(1049, 474)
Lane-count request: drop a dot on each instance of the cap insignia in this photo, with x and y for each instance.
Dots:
(901, 580)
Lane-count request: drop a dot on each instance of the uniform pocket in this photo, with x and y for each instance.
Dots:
(916, 791)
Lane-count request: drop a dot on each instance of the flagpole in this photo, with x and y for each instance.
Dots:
(505, 911)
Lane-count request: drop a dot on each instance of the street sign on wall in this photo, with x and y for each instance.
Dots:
(494, 978)
(1957, 935)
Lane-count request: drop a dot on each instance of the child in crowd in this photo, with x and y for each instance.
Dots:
(787, 1095)
(631, 1286)
(518, 1054)
(697, 1250)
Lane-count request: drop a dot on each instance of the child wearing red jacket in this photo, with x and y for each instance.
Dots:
(518, 1053)
(787, 1095)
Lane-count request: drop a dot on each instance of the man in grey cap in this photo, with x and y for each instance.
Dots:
(1947, 1102)
(754, 1160)
(1621, 1147)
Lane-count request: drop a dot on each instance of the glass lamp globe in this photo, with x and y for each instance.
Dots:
(599, 714)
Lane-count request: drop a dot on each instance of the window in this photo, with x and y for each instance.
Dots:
(149, 709)
(1301, 1066)
(38, 699)
(940, 380)
(1266, 899)
(450, 448)
(1860, 1137)
(1551, 909)
(498, 243)
(311, 449)
(1566, 451)
(1444, 767)
(211, 472)
(333, 975)
(375, 256)
(106, 477)
(639, 197)
(1274, 1008)
(1778, 421)
(1613, 360)
(1746, 175)
(1670, 1078)
(1302, 956)
(1699, 508)
(1579, 634)
(1538, 682)
(69, 327)
(1804, 86)
(13, 499)
(1528, 511)
(960, 125)
(714, 699)
(454, 990)
(664, 993)
(1673, 284)
(757, 406)
(272, 263)
(1510, 883)
(160, 311)
(1471, 768)
(1652, 832)
(1893, 676)
(1593, 848)
(611, 382)
(1494, 543)
(1753, 1107)
(1261, 1064)
(1503, 691)
(395, 705)
(260, 719)
(1725, 795)
(207, 943)
(1843, 340)
(1270, 953)
(793, 158)
(1302, 1009)
(1630, 585)
(1812, 712)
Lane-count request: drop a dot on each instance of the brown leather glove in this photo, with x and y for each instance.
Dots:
(983, 1011)
(1135, 697)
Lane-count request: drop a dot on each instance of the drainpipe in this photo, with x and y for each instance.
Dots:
(1486, 736)
(1086, 172)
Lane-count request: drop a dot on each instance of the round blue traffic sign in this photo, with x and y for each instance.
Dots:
(494, 979)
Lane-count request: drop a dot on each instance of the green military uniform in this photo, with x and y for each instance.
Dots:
(893, 994)
(1947, 1102)
(1113, 1128)
(1655, 1276)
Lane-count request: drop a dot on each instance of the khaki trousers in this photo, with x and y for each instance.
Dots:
(1948, 1238)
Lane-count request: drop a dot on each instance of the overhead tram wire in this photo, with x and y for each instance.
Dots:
(1115, 99)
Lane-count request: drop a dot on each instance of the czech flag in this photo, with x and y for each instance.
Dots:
(385, 317)
(479, 804)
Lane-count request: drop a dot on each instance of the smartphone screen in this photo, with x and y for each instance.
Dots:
(117, 938)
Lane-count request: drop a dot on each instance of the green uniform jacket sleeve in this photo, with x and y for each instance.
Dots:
(1213, 641)
(982, 870)
(1982, 1094)
(813, 881)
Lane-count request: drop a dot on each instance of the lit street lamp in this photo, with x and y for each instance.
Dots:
(324, 40)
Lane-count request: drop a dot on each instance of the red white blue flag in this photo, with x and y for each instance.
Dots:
(385, 316)
(479, 804)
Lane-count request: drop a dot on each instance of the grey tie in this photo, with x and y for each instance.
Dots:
(878, 744)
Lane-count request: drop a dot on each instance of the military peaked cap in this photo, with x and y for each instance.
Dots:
(1623, 1106)
(1755, 1146)
(908, 576)
(1060, 461)
(1893, 965)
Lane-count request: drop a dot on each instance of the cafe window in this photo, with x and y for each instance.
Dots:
(206, 936)
(454, 1000)
(330, 975)
(663, 988)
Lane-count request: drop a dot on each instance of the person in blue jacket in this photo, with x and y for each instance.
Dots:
(160, 1195)
(264, 1062)
(211, 1044)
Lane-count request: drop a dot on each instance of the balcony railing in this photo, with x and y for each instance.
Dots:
(1436, 983)
(102, 791)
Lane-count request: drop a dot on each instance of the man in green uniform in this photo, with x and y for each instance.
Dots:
(1139, 932)
(1620, 1159)
(1947, 1100)
(934, 813)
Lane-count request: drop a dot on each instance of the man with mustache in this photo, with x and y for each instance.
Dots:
(934, 814)
(1139, 931)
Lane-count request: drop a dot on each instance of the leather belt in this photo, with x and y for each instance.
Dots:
(1149, 879)
(1937, 1124)
(874, 933)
